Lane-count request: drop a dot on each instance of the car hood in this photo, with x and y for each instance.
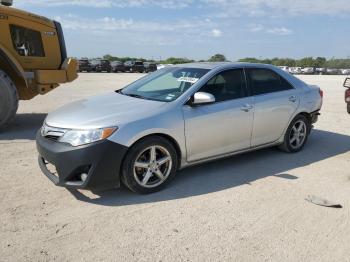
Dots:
(111, 109)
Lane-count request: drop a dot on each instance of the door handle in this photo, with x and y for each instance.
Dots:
(246, 108)
(293, 99)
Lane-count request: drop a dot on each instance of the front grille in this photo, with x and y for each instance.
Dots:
(53, 138)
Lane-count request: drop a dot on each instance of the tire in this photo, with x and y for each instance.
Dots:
(8, 100)
(144, 177)
(294, 142)
(348, 108)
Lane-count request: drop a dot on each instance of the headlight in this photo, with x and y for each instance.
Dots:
(83, 137)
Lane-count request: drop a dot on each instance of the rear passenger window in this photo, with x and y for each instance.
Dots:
(227, 85)
(263, 81)
(27, 42)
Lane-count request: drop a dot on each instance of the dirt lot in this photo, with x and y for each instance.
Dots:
(245, 208)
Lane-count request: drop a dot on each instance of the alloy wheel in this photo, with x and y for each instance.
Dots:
(152, 166)
(298, 134)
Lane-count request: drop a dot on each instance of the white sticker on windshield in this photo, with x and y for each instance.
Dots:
(191, 80)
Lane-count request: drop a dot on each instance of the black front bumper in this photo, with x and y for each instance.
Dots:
(100, 161)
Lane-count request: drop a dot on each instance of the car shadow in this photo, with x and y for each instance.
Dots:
(24, 126)
(230, 172)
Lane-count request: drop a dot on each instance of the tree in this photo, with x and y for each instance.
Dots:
(176, 60)
(217, 58)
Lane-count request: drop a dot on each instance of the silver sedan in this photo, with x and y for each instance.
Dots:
(176, 117)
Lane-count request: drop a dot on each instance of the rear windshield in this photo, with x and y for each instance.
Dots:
(165, 85)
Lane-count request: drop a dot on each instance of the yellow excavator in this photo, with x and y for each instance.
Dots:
(33, 58)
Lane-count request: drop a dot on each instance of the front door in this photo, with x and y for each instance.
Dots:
(224, 126)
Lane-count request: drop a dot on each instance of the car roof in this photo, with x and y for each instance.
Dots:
(215, 65)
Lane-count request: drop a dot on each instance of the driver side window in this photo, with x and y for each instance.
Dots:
(227, 85)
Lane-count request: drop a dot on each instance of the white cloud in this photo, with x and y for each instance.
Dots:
(274, 30)
(216, 33)
(113, 24)
(279, 31)
(281, 7)
(148, 32)
(168, 4)
(228, 7)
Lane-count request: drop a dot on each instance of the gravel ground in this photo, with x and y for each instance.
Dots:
(246, 208)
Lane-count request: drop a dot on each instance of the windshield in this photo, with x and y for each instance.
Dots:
(165, 85)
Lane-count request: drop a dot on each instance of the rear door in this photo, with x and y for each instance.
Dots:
(224, 126)
(275, 101)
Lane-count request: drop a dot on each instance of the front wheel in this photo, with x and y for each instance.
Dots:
(348, 107)
(8, 99)
(296, 135)
(149, 165)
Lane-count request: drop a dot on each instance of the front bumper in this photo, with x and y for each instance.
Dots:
(101, 162)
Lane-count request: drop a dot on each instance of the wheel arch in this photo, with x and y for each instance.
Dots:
(14, 70)
(303, 113)
(167, 137)
(306, 114)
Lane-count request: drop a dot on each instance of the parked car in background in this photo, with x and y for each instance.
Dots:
(179, 116)
(347, 94)
(134, 66)
(345, 71)
(118, 66)
(332, 71)
(295, 70)
(285, 68)
(308, 70)
(320, 71)
(150, 67)
(101, 66)
(84, 65)
(161, 66)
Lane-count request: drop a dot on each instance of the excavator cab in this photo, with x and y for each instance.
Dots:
(33, 58)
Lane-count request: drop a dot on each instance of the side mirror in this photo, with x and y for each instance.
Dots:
(202, 98)
(347, 83)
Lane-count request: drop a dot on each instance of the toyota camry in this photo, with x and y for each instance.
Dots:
(179, 116)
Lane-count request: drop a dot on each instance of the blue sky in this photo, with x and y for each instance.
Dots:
(200, 28)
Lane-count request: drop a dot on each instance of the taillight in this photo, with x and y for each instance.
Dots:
(321, 92)
(347, 95)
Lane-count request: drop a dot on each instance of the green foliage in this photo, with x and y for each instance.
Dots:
(124, 59)
(175, 60)
(217, 58)
(304, 62)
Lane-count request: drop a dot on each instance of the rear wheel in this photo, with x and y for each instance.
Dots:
(149, 165)
(296, 135)
(8, 99)
(348, 107)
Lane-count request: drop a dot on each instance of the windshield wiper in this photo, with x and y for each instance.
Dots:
(136, 96)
